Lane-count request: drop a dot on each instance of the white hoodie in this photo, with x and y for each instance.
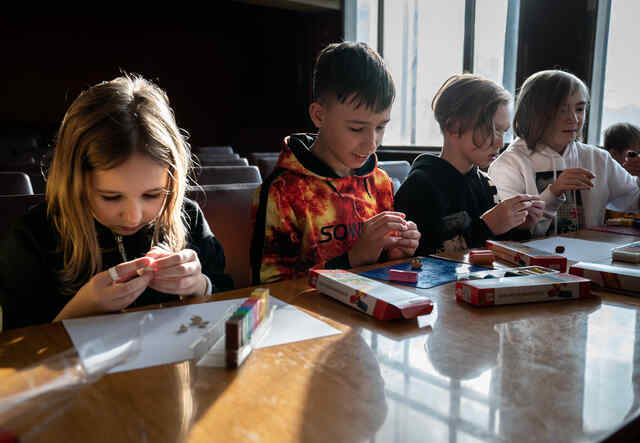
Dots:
(515, 170)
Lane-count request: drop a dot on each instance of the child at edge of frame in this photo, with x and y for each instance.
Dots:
(116, 229)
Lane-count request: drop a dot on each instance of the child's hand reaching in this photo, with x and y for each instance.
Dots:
(177, 273)
(508, 214)
(386, 230)
(104, 294)
(572, 179)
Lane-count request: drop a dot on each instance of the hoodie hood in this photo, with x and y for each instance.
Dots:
(441, 171)
(547, 157)
(296, 156)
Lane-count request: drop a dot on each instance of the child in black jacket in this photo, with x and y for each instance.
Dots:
(451, 200)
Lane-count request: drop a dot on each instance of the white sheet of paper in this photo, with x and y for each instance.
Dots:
(576, 249)
(161, 344)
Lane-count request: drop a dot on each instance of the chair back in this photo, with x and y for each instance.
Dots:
(266, 166)
(398, 170)
(255, 156)
(227, 208)
(15, 183)
(216, 175)
(215, 150)
(209, 161)
(12, 207)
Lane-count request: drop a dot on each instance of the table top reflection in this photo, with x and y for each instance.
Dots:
(561, 371)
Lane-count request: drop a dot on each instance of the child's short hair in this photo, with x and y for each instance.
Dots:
(621, 136)
(540, 97)
(469, 102)
(104, 126)
(355, 72)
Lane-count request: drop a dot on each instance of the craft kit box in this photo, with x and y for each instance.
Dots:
(511, 290)
(378, 299)
(609, 276)
(629, 253)
(524, 255)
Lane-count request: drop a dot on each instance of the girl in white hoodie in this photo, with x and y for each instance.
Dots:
(575, 180)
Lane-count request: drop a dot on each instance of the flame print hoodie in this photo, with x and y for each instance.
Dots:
(305, 215)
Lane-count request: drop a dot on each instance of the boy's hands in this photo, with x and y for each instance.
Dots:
(407, 244)
(102, 294)
(386, 230)
(572, 179)
(513, 212)
(534, 214)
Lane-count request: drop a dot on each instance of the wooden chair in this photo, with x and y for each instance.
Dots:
(227, 208)
(214, 175)
(15, 183)
(398, 170)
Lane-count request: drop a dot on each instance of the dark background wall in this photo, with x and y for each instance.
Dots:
(556, 34)
(239, 75)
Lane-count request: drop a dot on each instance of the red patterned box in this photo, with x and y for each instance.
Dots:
(524, 255)
(373, 297)
(510, 290)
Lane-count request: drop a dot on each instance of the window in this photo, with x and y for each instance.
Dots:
(615, 68)
(423, 43)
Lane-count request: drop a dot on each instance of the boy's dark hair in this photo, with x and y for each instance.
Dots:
(539, 100)
(355, 72)
(621, 136)
(468, 102)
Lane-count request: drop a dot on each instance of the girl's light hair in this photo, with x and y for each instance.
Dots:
(468, 102)
(102, 129)
(539, 100)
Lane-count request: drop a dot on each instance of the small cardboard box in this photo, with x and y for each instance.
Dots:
(378, 299)
(510, 290)
(609, 276)
(629, 253)
(524, 255)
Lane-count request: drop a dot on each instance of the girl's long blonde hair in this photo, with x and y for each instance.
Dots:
(103, 127)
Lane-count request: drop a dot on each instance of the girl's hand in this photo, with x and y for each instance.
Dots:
(572, 179)
(102, 294)
(177, 273)
(406, 247)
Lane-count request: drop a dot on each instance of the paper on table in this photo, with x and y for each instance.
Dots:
(161, 344)
(576, 249)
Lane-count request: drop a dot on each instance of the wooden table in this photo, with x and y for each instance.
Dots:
(562, 371)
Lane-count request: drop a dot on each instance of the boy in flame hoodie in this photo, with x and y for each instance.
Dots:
(327, 204)
(576, 181)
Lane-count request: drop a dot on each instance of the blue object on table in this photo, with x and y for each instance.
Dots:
(434, 272)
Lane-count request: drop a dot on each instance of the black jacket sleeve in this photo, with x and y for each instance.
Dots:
(209, 250)
(29, 289)
(415, 198)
